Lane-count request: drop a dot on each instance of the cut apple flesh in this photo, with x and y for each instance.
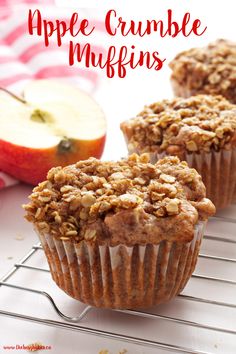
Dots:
(73, 114)
(56, 120)
(85, 117)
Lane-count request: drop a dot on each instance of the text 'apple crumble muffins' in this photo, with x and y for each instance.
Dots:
(200, 129)
(121, 234)
(206, 70)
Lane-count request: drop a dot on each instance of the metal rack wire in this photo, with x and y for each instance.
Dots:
(73, 323)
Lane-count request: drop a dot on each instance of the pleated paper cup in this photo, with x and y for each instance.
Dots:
(122, 277)
(181, 90)
(234, 195)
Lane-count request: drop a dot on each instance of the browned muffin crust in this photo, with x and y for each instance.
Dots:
(198, 123)
(210, 70)
(128, 202)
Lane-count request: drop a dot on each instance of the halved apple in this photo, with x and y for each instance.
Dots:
(54, 124)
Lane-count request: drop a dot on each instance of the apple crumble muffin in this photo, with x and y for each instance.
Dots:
(121, 234)
(200, 129)
(209, 70)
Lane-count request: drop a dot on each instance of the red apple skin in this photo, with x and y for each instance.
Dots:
(32, 165)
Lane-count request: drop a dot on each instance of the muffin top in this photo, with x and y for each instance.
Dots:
(210, 69)
(198, 123)
(126, 202)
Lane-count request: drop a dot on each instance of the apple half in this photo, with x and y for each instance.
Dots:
(54, 124)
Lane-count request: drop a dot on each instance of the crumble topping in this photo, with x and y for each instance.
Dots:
(210, 69)
(95, 200)
(198, 123)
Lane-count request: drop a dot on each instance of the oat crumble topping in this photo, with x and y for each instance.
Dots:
(210, 69)
(95, 200)
(198, 123)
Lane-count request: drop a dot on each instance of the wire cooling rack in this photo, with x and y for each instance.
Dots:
(218, 248)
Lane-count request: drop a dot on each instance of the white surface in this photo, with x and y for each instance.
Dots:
(122, 99)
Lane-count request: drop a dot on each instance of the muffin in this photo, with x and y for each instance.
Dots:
(200, 129)
(207, 70)
(121, 234)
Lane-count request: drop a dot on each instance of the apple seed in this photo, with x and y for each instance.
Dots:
(41, 116)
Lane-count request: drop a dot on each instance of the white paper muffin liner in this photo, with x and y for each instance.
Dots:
(136, 276)
(181, 90)
(234, 195)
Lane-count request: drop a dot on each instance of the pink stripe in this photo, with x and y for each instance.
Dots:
(65, 71)
(7, 59)
(13, 79)
(5, 13)
(33, 50)
(16, 33)
(2, 42)
(38, 48)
